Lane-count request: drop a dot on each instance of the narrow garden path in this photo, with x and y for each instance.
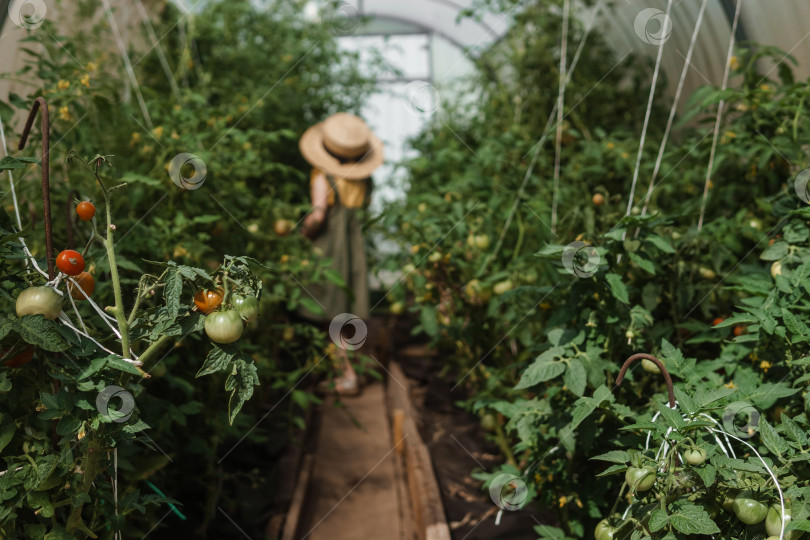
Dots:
(354, 487)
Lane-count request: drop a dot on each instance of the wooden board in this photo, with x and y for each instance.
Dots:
(299, 497)
(425, 497)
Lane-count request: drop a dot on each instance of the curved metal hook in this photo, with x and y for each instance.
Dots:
(657, 362)
(40, 103)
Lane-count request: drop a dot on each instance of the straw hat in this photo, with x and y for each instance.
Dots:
(342, 146)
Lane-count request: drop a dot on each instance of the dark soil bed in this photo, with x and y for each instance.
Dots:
(458, 445)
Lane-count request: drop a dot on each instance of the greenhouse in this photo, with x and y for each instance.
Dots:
(424, 270)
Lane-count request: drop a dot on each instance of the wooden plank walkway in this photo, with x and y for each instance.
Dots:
(354, 490)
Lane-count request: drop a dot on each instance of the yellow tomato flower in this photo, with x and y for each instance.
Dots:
(64, 113)
(92, 66)
(246, 146)
(158, 132)
(145, 149)
(765, 366)
(175, 135)
(730, 384)
(63, 84)
(563, 500)
(85, 80)
(285, 258)
(610, 146)
(136, 137)
(625, 155)
(734, 63)
(765, 87)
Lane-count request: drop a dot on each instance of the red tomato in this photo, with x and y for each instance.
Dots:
(70, 262)
(717, 321)
(86, 282)
(20, 358)
(85, 210)
(739, 330)
(208, 300)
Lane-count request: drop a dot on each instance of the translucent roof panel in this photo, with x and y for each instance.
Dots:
(439, 17)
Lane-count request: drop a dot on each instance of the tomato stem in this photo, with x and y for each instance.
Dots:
(120, 316)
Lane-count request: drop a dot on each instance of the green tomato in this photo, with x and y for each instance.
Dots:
(695, 456)
(39, 301)
(482, 241)
(224, 326)
(489, 422)
(728, 500)
(649, 366)
(604, 531)
(749, 510)
(773, 522)
(247, 306)
(640, 478)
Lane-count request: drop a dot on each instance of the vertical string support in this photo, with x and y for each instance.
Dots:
(127, 64)
(719, 118)
(672, 112)
(560, 103)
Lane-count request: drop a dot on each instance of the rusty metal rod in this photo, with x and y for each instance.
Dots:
(45, 124)
(69, 214)
(657, 362)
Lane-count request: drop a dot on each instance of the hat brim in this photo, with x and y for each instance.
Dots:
(313, 150)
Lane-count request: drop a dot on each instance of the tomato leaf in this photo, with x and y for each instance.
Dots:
(116, 362)
(43, 333)
(771, 439)
(658, 520)
(543, 369)
(692, 519)
(172, 292)
(793, 430)
(7, 324)
(618, 288)
(219, 359)
(660, 242)
(798, 525)
(765, 395)
(670, 416)
(6, 433)
(9, 163)
(707, 473)
(241, 382)
(614, 456)
(576, 378)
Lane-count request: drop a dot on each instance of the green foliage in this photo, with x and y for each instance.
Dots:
(248, 82)
(540, 344)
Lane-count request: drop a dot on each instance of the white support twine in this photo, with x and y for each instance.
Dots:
(127, 63)
(671, 120)
(720, 108)
(647, 116)
(560, 106)
(546, 131)
(158, 49)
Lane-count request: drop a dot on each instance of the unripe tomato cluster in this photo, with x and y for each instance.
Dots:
(226, 326)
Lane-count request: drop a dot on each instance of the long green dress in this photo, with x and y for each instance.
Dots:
(341, 239)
